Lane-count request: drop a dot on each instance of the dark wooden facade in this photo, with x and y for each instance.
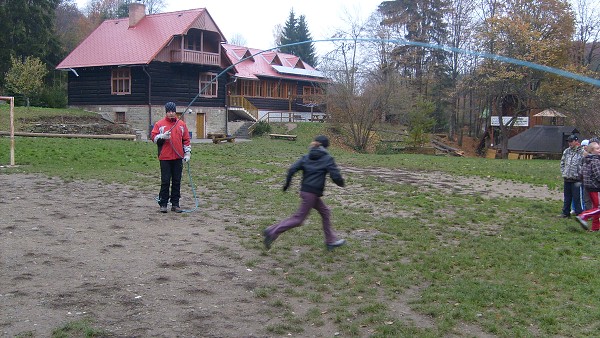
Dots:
(160, 82)
(155, 84)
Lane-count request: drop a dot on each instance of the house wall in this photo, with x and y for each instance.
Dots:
(169, 82)
(137, 117)
(215, 119)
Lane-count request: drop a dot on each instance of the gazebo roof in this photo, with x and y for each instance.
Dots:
(541, 139)
(549, 113)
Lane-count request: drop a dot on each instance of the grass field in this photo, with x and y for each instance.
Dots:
(506, 266)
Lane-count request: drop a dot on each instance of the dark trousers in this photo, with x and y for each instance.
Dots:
(308, 202)
(573, 195)
(170, 175)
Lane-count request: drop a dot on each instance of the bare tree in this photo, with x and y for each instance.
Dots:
(460, 24)
(154, 6)
(277, 34)
(587, 33)
(238, 39)
(353, 106)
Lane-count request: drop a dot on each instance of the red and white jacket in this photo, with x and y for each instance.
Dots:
(179, 143)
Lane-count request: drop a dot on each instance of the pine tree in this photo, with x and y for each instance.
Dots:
(296, 30)
(27, 29)
(306, 51)
(288, 35)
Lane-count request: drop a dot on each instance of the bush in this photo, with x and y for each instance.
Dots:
(261, 128)
(53, 97)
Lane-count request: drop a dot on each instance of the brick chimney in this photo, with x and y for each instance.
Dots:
(137, 11)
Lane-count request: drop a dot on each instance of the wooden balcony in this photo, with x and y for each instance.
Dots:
(195, 57)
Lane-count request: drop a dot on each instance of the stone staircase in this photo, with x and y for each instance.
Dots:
(243, 131)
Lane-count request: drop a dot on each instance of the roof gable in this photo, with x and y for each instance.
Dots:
(276, 61)
(271, 64)
(115, 43)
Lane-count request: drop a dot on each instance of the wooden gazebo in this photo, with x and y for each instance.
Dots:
(549, 117)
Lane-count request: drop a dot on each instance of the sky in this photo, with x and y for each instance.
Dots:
(254, 21)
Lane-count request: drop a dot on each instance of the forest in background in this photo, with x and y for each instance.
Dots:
(377, 78)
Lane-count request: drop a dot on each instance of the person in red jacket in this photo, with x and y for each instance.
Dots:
(173, 139)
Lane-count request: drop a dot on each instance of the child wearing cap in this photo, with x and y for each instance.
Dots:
(571, 170)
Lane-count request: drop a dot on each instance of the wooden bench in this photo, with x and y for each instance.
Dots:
(215, 135)
(298, 117)
(223, 139)
(317, 118)
(283, 136)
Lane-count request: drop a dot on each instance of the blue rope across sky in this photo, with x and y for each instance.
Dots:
(528, 64)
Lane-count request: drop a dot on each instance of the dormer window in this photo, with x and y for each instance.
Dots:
(248, 55)
(276, 61)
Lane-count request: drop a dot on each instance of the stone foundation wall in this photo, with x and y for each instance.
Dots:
(137, 117)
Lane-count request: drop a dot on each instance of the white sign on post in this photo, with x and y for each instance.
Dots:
(521, 121)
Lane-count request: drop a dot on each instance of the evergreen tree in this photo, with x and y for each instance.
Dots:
(27, 29)
(288, 35)
(296, 30)
(306, 51)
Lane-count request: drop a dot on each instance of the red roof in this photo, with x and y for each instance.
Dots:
(269, 64)
(115, 43)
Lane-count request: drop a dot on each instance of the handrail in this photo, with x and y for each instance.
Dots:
(195, 57)
(294, 117)
(240, 101)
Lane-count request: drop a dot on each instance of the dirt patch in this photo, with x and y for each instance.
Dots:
(94, 125)
(76, 249)
(448, 184)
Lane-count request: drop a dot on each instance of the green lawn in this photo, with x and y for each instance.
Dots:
(506, 266)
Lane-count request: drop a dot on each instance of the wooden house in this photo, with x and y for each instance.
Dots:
(127, 69)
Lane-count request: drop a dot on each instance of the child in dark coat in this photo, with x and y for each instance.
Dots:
(314, 166)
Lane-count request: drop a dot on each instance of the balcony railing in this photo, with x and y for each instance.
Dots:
(196, 57)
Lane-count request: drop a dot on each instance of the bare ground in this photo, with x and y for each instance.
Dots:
(74, 249)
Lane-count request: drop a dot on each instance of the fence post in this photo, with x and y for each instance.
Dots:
(12, 127)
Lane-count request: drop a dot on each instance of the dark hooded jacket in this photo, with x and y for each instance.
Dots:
(315, 166)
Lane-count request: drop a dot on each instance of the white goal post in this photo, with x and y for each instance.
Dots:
(12, 127)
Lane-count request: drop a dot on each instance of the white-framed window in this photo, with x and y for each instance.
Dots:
(208, 84)
(120, 81)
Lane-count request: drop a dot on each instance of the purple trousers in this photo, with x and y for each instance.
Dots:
(309, 201)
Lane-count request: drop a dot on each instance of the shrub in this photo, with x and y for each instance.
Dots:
(261, 128)
(53, 97)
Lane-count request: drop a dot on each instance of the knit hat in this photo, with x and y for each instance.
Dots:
(323, 140)
(170, 106)
(572, 137)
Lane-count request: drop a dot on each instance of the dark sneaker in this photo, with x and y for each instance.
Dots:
(268, 239)
(339, 242)
(583, 223)
(564, 216)
(163, 208)
(177, 209)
